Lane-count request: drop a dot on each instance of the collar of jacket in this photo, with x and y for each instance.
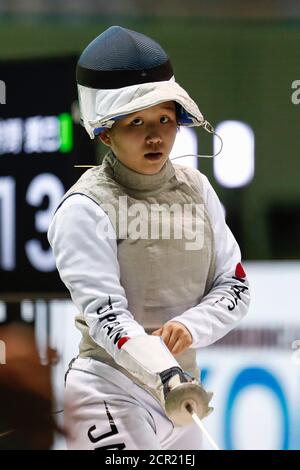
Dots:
(137, 181)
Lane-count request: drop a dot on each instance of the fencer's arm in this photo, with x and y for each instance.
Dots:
(228, 300)
(88, 266)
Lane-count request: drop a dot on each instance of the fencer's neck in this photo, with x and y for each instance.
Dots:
(138, 181)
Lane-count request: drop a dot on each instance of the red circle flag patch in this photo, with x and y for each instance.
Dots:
(122, 341)
(239, 271)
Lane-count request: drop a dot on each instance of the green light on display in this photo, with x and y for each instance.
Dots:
(66, 132)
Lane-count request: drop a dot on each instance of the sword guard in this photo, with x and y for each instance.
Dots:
(184, 397)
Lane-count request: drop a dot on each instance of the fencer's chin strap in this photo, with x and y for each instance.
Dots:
(209, 128)
(206, 125)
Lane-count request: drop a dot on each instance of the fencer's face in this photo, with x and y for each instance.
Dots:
(143, 140)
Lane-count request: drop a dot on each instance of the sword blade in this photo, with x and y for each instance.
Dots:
(202, 428)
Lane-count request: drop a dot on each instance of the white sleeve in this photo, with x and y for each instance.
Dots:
(228, 300)
(88, 265)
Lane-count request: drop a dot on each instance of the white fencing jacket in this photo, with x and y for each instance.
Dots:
(108, 283)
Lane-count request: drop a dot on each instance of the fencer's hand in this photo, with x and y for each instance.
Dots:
(176, 336)
(149, 360)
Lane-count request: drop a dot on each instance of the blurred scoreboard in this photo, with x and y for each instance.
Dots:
(40, 142)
